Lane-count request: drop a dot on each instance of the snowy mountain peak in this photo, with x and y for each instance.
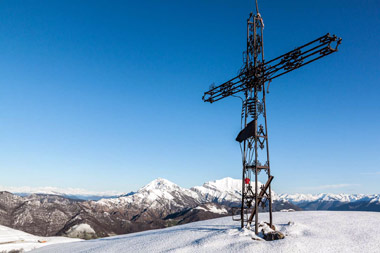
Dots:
(224, 191)
(160, 184)
(224, 184)
(160, 193)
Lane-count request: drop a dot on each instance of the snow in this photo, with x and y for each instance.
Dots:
(223, 190)
(12, 239)
(227, 184)
(162, 190)
(321, 231)
(157, 193)
(212, 208)
(160, 184)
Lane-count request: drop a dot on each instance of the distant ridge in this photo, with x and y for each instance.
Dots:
(225, 190)
(73, 193)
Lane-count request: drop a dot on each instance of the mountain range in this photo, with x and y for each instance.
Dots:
(335, 202)
(71, 193)
(159, 204)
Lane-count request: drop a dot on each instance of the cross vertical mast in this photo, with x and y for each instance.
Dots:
(254, 111)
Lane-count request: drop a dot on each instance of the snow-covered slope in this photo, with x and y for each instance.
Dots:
(305, 232)
(11, 239)
(223, 191)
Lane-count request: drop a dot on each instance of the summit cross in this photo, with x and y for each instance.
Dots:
(252, 83)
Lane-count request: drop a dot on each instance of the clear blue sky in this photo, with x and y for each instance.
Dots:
(106, 95)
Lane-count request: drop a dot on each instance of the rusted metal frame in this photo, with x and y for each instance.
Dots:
(260, 197)
(328, 47)
(245, 124)
(218, 94)
(259, 167)
(274, 68)
(266, 139)
(282, 64)
(220, 86)
(262, 136)
(268, 160)
(298, 48)
(246, 192)
(255, 56)
(270, 79)
(243, 183)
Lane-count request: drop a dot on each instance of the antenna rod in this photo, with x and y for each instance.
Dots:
(257, 8)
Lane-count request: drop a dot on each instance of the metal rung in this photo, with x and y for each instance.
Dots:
(258, 167)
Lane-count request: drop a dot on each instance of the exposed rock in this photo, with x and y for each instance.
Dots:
(273, 235)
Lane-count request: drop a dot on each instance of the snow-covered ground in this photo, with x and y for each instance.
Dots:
(320, 231)
(12, 239)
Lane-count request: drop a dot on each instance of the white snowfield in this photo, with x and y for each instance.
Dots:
(212, 208)
(319, 231)
(12, 239)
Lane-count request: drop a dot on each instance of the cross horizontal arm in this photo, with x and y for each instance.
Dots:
(300, 56)
(224, 90)
(274, 68)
